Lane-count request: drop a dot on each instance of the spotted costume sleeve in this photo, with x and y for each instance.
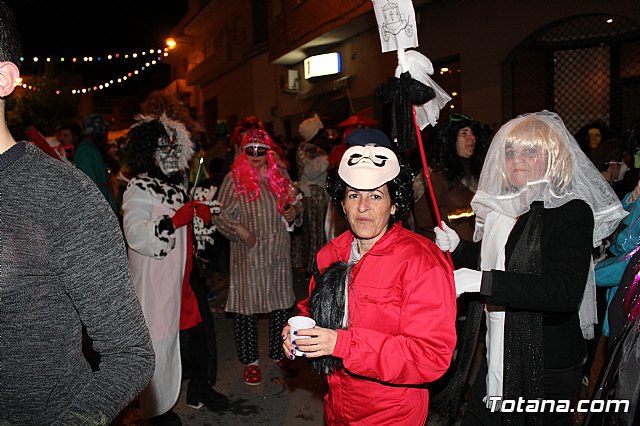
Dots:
(148, 234)
(204, 232)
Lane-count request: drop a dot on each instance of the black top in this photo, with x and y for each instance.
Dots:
(565, 247)
(10, 156)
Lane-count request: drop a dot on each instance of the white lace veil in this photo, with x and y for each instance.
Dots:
(535, 158)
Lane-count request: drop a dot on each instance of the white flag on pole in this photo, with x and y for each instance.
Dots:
(396, 24)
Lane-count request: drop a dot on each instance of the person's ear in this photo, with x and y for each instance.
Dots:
(343, 209)
(9, 74)
(393, 209)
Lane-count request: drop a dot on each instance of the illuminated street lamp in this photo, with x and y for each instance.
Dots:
(171, 43)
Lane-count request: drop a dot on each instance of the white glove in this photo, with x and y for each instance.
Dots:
(467, 280)
(446, 238)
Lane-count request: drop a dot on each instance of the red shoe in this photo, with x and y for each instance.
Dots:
(252, 375)
(287, 367)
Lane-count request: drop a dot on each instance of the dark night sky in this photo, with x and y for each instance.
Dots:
(91, 27)
(68, 28)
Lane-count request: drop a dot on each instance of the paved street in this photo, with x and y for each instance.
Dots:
(278, 401)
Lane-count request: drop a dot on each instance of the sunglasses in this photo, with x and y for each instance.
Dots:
(256, 151)
(527, 152)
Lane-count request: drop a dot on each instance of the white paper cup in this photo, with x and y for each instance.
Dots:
(299, 323)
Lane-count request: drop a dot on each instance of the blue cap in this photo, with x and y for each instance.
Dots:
(368, 136)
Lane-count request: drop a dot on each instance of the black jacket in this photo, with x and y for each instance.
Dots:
(565, 248)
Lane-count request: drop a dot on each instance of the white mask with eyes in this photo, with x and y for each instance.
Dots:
(368, 167)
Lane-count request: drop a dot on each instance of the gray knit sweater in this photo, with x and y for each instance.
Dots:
(63, 264)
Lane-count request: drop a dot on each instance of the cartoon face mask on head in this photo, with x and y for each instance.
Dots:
(167, 156)
(368, 167)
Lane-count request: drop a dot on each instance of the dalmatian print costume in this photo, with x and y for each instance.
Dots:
(173, 197)
(158, 255)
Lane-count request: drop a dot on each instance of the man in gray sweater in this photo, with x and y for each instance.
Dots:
(62, 265)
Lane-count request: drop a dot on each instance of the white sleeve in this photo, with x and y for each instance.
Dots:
(144, 233)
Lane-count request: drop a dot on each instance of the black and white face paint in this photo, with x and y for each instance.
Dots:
(167, 156)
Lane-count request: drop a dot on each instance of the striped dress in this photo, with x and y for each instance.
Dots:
(260, 277)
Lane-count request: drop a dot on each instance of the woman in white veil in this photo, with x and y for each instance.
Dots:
(541, 205)
(567, 175)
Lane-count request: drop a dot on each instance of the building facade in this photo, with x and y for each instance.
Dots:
(580, 58)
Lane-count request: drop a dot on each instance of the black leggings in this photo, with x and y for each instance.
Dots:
(246, 331)
(200, 350)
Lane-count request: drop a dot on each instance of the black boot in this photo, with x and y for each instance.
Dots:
(167, 419)
(199, 396)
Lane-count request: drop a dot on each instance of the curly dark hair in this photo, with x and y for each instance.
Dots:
(158, 103)
(400, 190)
(443, 153)
(610, 149)
(141, 144)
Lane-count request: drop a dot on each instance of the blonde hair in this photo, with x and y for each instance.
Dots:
(538, 133)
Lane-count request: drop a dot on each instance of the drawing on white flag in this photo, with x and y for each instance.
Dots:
(397, 24)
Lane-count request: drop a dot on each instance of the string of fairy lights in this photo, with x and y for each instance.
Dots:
(152, 57)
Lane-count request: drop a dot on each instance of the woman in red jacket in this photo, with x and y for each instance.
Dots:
(383, 300)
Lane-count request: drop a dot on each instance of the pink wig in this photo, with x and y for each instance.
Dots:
(246, 177)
